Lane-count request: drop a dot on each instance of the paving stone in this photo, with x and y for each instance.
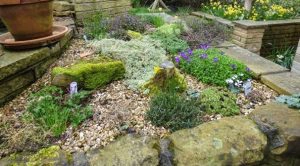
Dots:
(211, 17)
(258, 65)
(284, 83)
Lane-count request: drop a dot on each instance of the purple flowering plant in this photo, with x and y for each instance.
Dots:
(211, 66)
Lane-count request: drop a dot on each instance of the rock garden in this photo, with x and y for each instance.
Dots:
(155, 85)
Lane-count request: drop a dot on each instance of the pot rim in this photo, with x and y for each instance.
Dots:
(20, 2)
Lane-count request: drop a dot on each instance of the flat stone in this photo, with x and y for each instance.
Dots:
(127, 151)
(12, 62)
(229, 141)
(284, 83)
(281, 125)
(248, 24)
(211, 17)
(258, 65)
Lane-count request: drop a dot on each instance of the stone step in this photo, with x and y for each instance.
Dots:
(273, 75)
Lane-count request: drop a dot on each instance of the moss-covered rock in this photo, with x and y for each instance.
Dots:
(229, 141)
(127, 151)
(89, 74)
(166, 79)
(217, 100)
(134, 35)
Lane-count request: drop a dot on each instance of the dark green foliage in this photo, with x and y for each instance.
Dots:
(219, 101)
(171, 43)
(93, 74)
(174, 112)
(96, 25)
(54, 111)
(292, 101)
(212, 67)
(283, 56)
(153, 20)
(138, 10)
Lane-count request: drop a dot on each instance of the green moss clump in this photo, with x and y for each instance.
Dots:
(134, 35)
(93, 74)
(217, 100)
(49, 154)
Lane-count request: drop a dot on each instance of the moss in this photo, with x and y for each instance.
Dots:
(134, 35)
(48, 154)
(218, 100)
(161, 83)
(93, 73)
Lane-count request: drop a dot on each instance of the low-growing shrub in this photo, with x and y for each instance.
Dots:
(211, 66)
(54, 111)
(219, 101)
(139, 56)
(156, 21)
(96, 25)
(204, 31)
(171, 43)
(174, 112)
(292, 101)
(127, 22)
(283, 56)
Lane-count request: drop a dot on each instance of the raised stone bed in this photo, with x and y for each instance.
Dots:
(261, 37)
(18, 69)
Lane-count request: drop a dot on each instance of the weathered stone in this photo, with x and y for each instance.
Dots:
(62, 6)
(281, 125)
(89, 74)
(48, 156)
(79, 159)
(127, 151)
(229, 141)
(284, 83)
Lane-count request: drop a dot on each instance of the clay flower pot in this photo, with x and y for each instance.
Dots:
(27, 19)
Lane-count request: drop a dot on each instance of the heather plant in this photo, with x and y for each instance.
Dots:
(174, 111)
(204, 31)
(127, 22)
(140, 56)
(54, 111)
(217, 100)
(211, 66)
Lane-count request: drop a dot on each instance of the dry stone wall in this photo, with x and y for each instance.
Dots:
(296, 63)
(83, 8)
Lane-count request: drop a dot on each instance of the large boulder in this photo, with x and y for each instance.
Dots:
(90, 74)
(282, 126)
(229, 141)
(127, 151)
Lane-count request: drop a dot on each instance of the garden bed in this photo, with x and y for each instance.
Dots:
(122, 106)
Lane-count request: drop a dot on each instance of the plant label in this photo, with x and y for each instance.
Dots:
(247, 87)
(73, 88)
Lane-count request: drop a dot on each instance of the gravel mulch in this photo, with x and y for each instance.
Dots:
(117, 109)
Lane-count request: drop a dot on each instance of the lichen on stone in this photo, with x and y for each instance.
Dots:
(45, 154)
(92, 74)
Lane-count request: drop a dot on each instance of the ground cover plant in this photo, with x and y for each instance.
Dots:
(54, 111)
(174, 111)
(156, 21)
(211, 66)
(261, 10)
(218, 100)
(292, 101)
(140, 56)
(204, 31)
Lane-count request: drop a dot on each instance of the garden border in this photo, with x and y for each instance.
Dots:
(260, 37)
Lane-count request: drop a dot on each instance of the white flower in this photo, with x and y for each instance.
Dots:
(229, 81)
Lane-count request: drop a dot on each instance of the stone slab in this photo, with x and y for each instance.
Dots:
(249, 24)
(284, 83)
(211, 17)
(258, 65)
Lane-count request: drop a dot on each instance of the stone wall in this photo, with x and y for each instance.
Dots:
(83, 8)
(263, 37)
(296, 63)
(19, 69)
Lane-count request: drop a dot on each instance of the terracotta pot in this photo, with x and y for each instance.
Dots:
(27, 19)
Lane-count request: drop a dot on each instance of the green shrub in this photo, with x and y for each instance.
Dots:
(96, 25)
(135, 11)
(54, 112)
(154, 20)
(139, 56)
(171, 43)
(219, 101)
(174, 112)
(292, 101)
(283, 56)
(93, 74)
(211, 66)
(170, 29)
